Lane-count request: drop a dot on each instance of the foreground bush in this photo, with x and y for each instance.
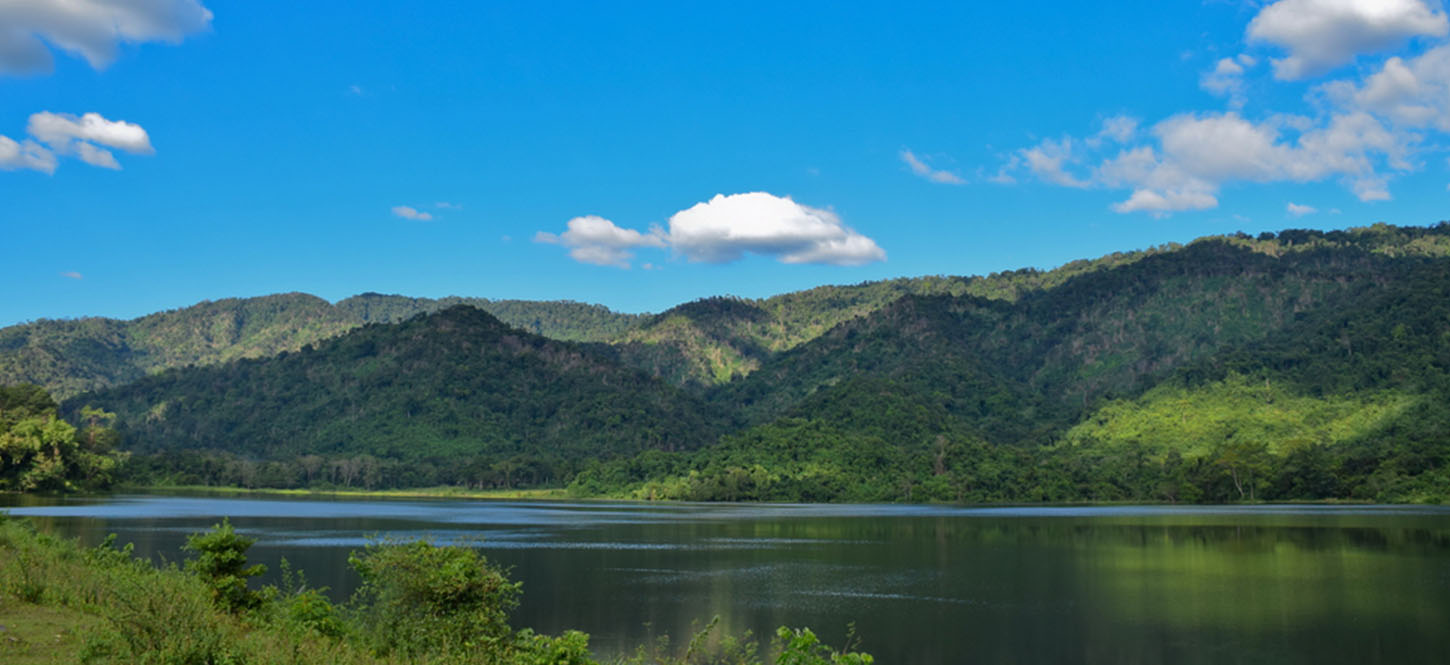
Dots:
(419, 603)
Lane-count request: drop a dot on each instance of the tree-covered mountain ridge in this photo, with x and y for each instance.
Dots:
(72, 356)
(704, 343)
(1298, 365)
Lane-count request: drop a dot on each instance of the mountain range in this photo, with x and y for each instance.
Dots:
(1292, 365)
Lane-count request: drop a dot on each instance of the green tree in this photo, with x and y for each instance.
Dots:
(222, 562)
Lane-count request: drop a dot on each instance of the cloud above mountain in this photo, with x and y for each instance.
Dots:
(1360, 131)
(725, 229)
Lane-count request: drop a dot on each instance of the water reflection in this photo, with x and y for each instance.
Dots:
(1282, 584)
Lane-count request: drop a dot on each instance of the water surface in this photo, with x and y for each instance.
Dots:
(923, 584)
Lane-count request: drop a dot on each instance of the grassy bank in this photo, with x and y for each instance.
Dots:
(418, 603)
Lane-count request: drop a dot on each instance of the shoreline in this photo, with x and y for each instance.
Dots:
(562, 494)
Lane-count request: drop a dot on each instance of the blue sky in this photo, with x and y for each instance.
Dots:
(157, 153)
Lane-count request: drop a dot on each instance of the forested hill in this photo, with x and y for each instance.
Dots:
(72, 356)
(419, 401)
(1293, 365)
(698, 344)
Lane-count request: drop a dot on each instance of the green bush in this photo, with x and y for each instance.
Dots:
(417, 598)
(222, 562)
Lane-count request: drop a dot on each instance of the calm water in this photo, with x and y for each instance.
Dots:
(924, 584)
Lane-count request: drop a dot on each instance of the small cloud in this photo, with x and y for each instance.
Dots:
(813, 171)
(1117, 129)
(355, 89)
(27, 154)
(409, 212)
(55, 135)
(444, 205)
(1048, 160)
(725, 229)
(924, 170)
(1320, 35)
(1003, 176)
(1227, 80)
(1300, 210)
(90, 29)
(506, 239)
(1241, 219)
(71, 274)
(598, 241)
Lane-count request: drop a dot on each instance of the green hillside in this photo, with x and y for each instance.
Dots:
(451, 397)
(1298, 365)
(1125, 383)
(69, 357)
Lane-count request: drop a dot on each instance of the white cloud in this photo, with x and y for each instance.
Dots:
(71, 274)
(1414, 93)
(725, 228)
(596, 240)
(409, 212)
(444, 205)
(91, 29)
(1300, 210)
(1118, 129)
(1190, 156)
(1320, 35)
(1227, 80)
(27, 154)
(54, 135)
(66, 134)
(58, 130)
(1048, 160)
(924, 170)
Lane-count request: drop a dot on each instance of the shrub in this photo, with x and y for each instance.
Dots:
(418, 598)
(222, 563)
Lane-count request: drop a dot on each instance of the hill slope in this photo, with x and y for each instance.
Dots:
(438, 391)
(1292, 365)
(69, 357)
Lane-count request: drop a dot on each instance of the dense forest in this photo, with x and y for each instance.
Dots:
(40, 452)
(1296, 365)
(69, 357)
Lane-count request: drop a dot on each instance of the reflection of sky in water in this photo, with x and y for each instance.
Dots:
(602, 513)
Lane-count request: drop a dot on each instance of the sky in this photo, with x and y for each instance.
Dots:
(158, 153)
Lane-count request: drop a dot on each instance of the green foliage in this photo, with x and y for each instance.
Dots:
(222, 562)
(1194, 419)
(790, 646)
(800, 646)
(40, 452)
(420, 604)
(421, 598)
(455, 397)
(72, 357)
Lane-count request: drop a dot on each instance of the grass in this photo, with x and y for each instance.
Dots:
(36, 634)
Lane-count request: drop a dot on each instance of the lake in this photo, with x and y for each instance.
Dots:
(923, 584)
